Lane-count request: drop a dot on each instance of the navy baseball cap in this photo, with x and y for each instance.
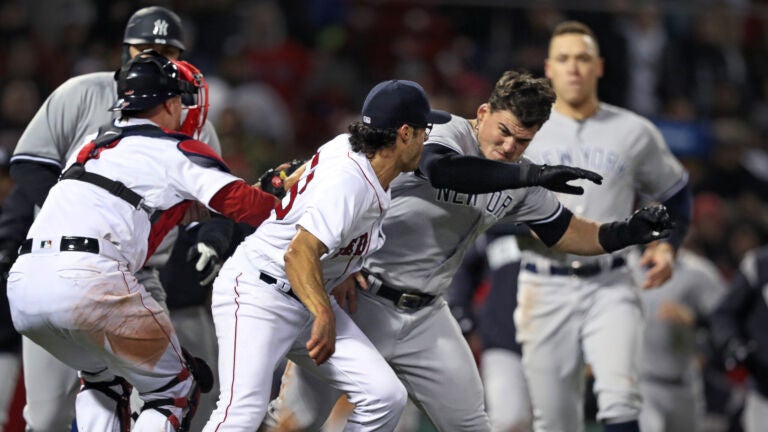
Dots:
(390, 104)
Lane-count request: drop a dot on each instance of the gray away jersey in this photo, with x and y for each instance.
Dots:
(670, 349)
(626, 149)
(428, 230)
(73, 111)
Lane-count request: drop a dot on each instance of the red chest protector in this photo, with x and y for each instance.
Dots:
(108, 137)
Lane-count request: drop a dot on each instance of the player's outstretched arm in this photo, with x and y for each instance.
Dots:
(302, 266)
(586, 237)
(470, 174)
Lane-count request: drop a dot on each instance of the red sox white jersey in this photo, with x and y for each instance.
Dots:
(339, 200)
(154, 168)
(338, 183)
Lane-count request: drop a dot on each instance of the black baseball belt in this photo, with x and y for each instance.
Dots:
(66, 244)
(273, 281)
(407, 300)
(576, 268)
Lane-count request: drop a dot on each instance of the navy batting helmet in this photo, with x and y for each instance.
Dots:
(154, 25)
(147, 80)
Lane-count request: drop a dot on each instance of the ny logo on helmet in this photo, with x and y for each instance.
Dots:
(161, 28)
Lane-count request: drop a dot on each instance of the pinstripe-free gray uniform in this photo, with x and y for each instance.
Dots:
(74, 110)
(670, 378)
(564, 320)
(427, 233)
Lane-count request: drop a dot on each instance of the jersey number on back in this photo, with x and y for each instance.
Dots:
(283, 210)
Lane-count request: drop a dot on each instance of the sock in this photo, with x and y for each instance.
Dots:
(630, 426)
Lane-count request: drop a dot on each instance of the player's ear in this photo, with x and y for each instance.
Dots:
(600, 67)
(482, 111)
(404, 132)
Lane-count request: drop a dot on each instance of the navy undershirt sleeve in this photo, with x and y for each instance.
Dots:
(446, 169)
(679, 207)
(552, 231)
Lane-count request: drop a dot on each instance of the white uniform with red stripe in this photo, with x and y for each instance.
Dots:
(88, 309)
(340, 201)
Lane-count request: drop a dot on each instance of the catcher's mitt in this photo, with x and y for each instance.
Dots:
(272, 181)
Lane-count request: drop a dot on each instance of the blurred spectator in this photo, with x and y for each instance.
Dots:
(709, 226)
(647, 39)
(729, 174)
(272, 56)
(707, 61)
(19, 100)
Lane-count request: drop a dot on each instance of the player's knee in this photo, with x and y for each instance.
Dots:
(397, 396)
(389, 400)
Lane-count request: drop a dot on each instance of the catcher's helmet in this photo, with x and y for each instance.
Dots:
(146, 81)
(154, 25)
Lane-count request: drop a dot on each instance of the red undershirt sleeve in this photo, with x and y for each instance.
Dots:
(242, 202)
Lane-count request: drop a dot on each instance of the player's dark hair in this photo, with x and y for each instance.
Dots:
(369, 140)
(529, 99)
(577, 27)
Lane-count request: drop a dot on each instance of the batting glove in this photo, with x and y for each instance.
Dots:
(644, 226)
(556, 177)
(208, 263)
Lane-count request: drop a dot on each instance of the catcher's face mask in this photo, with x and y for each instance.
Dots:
(195, 102)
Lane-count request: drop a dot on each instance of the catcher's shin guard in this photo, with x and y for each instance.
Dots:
(202, 382)
(119, 390)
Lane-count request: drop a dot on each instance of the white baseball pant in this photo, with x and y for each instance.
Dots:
(506, 391)
(93, 315)
(563, 322)
(671, 407)
(257, 325)
(428, 353)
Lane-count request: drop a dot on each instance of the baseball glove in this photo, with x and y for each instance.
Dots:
(272, 181)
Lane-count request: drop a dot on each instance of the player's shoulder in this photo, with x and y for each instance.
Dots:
(91, 82)
(456, 134)
(200, 153)
(341, 167)
(627, 118)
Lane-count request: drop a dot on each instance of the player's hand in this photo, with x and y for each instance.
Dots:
(676, 313)
(649, 224)
(659, 262)
(346, 292)
(556, 178)
(322, 343)
(196, 212)
(274, 179)
(208, 262)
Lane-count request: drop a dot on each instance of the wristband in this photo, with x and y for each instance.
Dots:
(614, 236)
